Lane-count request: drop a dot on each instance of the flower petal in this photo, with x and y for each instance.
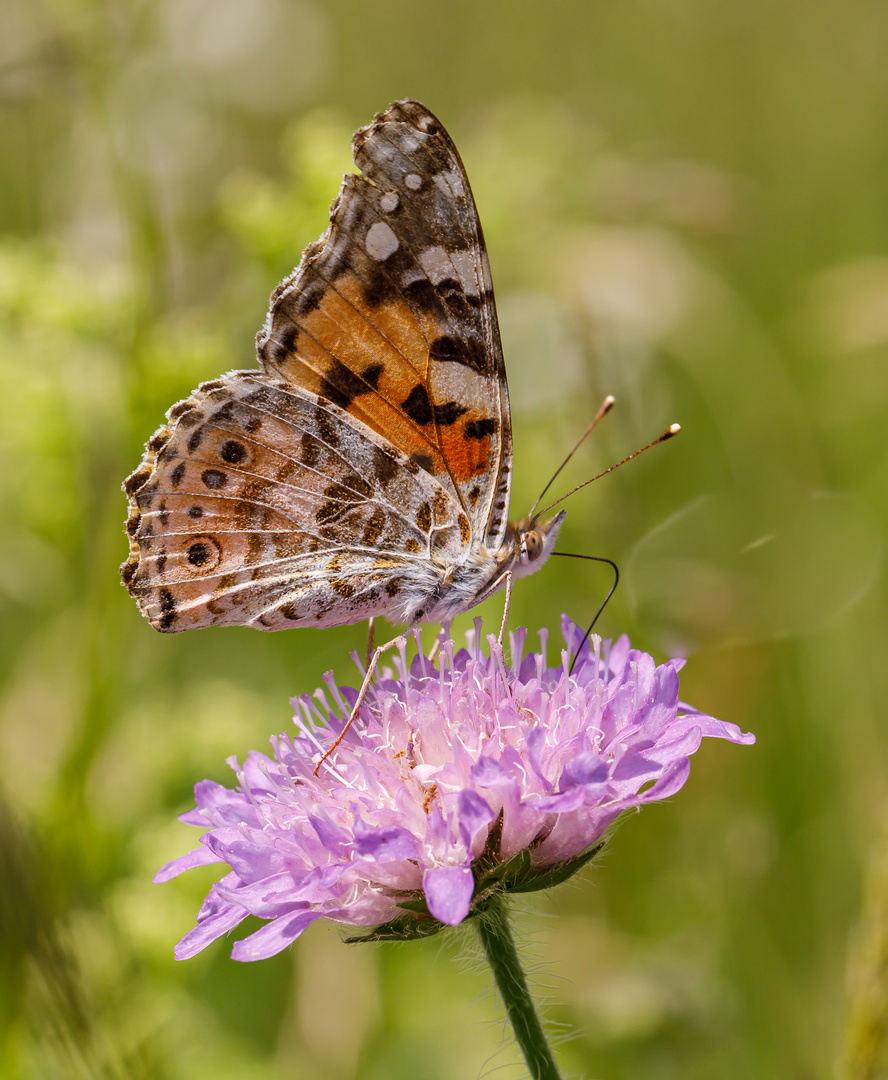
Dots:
(585, 769)
(270, 939)
(210, 928)
(448, 892)
(199, 856)
(474, 813)
(388, 844)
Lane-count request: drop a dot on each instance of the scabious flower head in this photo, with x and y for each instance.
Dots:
(461, 778)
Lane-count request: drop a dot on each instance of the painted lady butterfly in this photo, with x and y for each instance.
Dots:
(365, 469)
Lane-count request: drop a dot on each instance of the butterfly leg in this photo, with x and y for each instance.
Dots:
(370, 628)
(508, 604)
(362, 693)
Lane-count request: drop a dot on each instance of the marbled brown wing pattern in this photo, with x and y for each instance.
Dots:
(365, 469)
(260, 504)
(391, 315)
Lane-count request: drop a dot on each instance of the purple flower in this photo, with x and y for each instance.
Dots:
(462, 778)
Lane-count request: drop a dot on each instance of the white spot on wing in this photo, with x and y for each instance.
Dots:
(436, 264)
(456, 382)
(413, 181)
(450, 183)
(440, 265)
(411, 276)
(381, 241)
(465, 268)
(389, 201)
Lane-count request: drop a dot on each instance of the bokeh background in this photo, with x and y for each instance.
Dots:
(686, 205)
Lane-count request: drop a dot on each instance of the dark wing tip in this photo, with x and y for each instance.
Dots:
(406, 111)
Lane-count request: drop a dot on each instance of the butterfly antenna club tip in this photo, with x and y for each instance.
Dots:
(673, 429)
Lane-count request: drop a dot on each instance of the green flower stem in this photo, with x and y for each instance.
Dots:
(499, 948)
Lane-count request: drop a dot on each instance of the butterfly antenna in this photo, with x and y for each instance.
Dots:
(604, 603)
(605, 408)
(673, 429)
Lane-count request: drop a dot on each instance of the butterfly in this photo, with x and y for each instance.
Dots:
(364, 468)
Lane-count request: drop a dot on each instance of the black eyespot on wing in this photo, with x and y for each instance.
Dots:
(198, 554)
(420, 409)
(214, 478)
(449, 413)
(479, 429)
(232, 451)
(468, 351)
(341, 385)
(417, 405)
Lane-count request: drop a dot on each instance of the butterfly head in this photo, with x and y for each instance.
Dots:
(534, 541)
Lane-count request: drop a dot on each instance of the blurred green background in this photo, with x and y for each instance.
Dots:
(686, 205)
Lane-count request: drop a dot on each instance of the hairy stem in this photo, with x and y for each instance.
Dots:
(499, 948)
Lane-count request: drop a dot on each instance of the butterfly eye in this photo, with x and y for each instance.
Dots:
(533, 544)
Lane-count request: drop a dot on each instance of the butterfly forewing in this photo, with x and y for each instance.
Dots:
(391, 315)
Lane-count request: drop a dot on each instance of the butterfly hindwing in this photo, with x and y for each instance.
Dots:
(260, 504)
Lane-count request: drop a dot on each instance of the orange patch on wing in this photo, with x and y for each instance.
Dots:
(343, 329)
(392, 323)
(465, 457)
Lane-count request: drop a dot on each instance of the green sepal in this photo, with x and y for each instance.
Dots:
(404, 928)
(512, 870)
(556, 874)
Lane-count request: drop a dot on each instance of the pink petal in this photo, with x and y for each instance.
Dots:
(448, 892)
